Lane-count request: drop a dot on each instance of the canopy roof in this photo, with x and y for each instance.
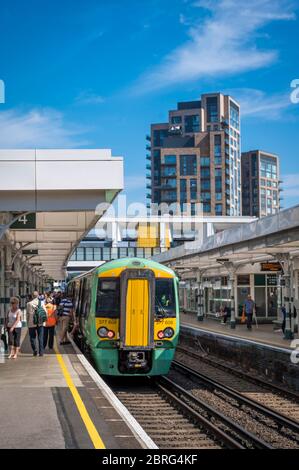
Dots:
(55, 193)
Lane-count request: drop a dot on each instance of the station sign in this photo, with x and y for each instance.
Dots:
(222, 260)
(30, 252)
(271, 266)
(25, 222)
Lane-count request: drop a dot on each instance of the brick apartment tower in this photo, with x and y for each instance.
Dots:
(195, 156)
(260, 183)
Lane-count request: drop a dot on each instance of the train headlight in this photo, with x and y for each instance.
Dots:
(103, 332)
(160, 334)
(110, 334)
(168, 332)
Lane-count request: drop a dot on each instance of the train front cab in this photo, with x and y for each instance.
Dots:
(137, 322)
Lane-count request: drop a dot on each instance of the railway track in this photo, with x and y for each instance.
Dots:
(188, 410)
(272, 396)
(171, 421)
(272, 428)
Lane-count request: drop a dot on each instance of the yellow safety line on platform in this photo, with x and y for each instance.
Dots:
(91, 429)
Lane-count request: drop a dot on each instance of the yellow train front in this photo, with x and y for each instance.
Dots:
(128, 316)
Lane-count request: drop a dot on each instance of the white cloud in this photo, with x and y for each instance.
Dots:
(39, 128)
(87, 97)
(257, 103)
(222, 44)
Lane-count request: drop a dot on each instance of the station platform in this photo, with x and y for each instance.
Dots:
(58, 401)
(263, 334)
(261, 350)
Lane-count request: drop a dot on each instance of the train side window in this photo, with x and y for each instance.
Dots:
(85, 297)
(108, 298)
(165, 305)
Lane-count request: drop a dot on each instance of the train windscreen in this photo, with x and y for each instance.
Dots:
(165, 305)
(108, 298)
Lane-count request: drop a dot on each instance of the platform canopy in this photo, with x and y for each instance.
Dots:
(261, 240)
(52, 197)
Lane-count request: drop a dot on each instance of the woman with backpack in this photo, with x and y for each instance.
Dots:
(14, 326)
(36, 319)
(49, 329)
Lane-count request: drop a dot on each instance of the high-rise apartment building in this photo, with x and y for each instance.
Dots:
(195, 156)
(260, 183)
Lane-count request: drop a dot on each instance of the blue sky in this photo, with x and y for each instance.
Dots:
(94, 73)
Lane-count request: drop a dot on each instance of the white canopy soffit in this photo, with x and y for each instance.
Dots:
(58, 191)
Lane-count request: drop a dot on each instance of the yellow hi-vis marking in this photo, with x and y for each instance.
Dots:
(90, 427)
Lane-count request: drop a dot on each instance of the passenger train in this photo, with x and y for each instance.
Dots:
(128, 316)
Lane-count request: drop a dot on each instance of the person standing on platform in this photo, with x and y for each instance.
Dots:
(49, 329)
(284, 317)
(14, 326)
(36, 319)
(226, 313)
(249, 308)
(66, 313)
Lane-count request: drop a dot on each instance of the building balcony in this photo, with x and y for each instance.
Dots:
(148, 196)
(148, 176)
(148, 166)
(167, 186)
(148, 137)
(148, 157)
(148, 186)
(148, 147)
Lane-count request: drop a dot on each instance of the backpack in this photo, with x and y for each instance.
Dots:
(39, 316)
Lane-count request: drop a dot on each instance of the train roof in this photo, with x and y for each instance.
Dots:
(127, 262)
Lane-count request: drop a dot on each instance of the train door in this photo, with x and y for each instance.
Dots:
(137, 309)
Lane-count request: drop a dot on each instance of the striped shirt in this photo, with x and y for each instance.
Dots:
(66, 306)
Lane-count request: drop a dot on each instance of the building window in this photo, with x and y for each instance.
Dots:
(218, 209)
(89, 254)
(234, 115)
(159, 136)
(205, 173)
(80, 252)
(188, 165)
(218, 183)
(217, 145)
(170, 195)
(212, 109)
(206, 207)
(218, 196)
(168, 171)
(193, 189)
(205, 184)
(192, 123)
(204, 161)
(176, 119)
(170, 159)
(205, 196)
(183, 190)
(268, 167)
